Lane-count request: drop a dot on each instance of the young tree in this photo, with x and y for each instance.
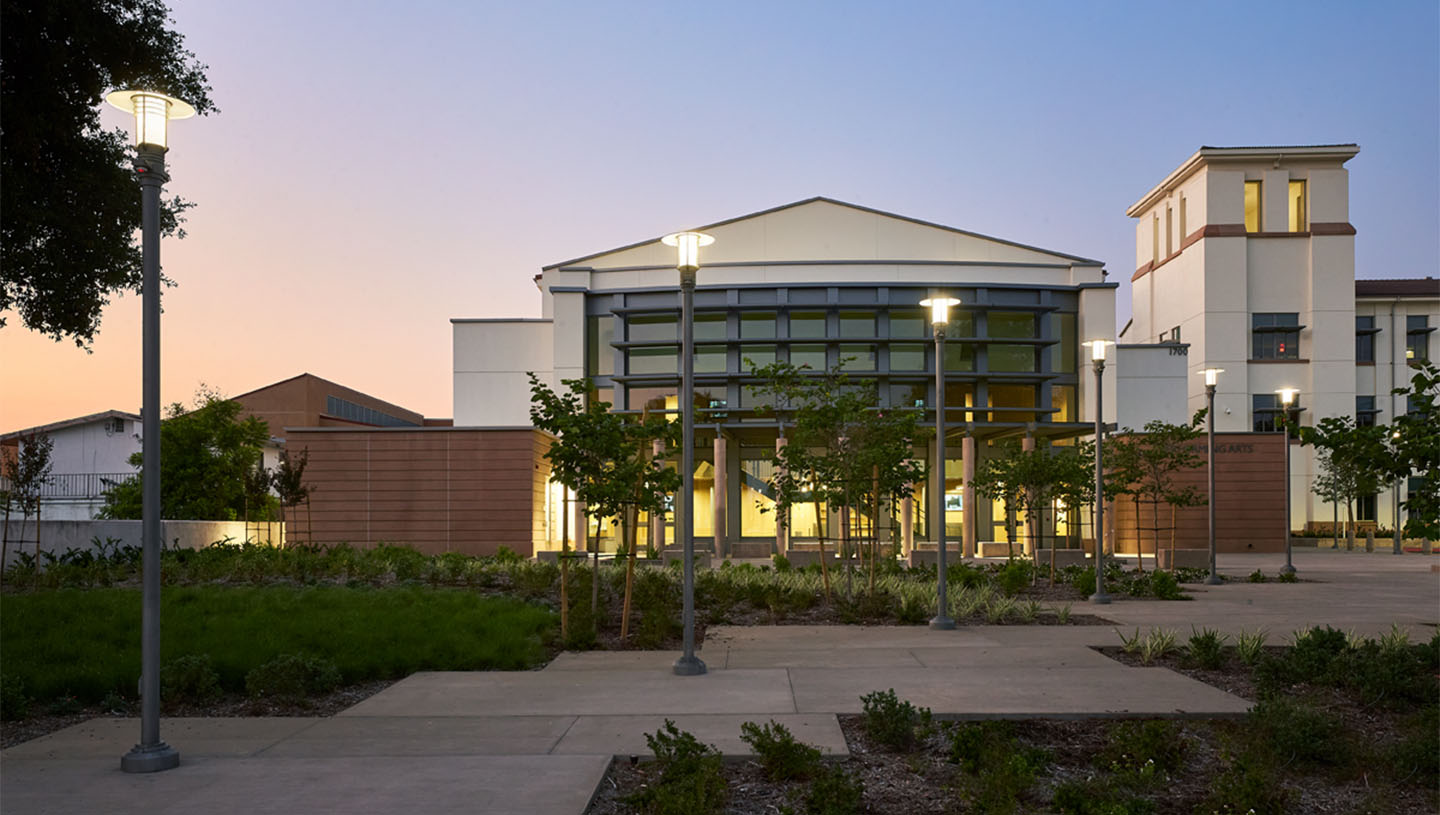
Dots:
(204, 456)
(1413, 450)
(289, 480)
(258, 500)
(1150, 464)
(1354, 461)
(68, 239)
(605, 459)
(1002, 478)
(27, 474)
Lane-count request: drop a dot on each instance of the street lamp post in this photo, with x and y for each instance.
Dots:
(152, 113)
(1097, 357)
(687, 262)
(1395, 503)
(939, 317)
(1287, 400)
(1212, 378)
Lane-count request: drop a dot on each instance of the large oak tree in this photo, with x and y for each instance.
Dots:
(70, 203)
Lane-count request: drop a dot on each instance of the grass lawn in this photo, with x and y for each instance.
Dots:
(86, 643)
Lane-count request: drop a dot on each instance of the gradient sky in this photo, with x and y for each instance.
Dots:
(379, 168)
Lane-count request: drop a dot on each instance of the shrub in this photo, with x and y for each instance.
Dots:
(1257, 576)
(782, 756)
(14, 704)
(1415, 756)
(1084, 581)
(1014, 576)
(913, 610)
(1206, 648)
(1248, 785)
(1250, 646)
(1294, 732)
(191, 678)
(1098, 797)
(691, 778)
(835, 792)
(1158, 643)
(1132, 745)
(897, 725)
(1164, 586)
(1287, 577)
(506, 555)
(782, 563)
(292, 678)
(998, 769)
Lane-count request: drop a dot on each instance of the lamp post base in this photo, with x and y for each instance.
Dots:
(689, 666)
(942, 623)
(150, 758)
(1287, 569)
(1100, 598)
(1214, 580)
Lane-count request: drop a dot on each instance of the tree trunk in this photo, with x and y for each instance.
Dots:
(1349, 525)
(5, 540)
(1054, 542)
(564, 566)
(874, 526)
(1172, 539)
(820, 529)
(845, 547)
(629, 533)
(1334, 524)
(595, 579)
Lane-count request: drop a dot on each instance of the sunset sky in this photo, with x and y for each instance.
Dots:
(379, 168)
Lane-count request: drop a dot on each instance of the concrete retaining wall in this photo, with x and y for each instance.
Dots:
(59, 536)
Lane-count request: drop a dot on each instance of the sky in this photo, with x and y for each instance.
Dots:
(378, 168)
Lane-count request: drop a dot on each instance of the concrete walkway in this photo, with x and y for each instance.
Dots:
(540, 741)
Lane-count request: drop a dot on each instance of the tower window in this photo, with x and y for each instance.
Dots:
(1299, 221)
(1253, 222)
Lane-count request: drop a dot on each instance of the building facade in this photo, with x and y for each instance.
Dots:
(811, 283)
(1247, 256)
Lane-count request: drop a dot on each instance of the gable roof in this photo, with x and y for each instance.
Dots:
(79, 420)
(1398, 287)
(1060, 256)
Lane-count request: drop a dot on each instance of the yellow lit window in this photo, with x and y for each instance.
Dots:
(1169, 232)
(1155, 239)
(1252, 206)
(1296, 202)
(1183, 233)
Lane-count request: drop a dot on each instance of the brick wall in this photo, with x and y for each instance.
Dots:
(439, 489)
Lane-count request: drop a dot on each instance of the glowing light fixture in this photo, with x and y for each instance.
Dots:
(1097, 348)
(939, 308)
(152, 114)
(1287, 396)
(1212, 376)
(688, 245)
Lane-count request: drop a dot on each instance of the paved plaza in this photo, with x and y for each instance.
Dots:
(540, 741)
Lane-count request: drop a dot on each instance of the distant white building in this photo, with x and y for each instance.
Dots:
(91, 454)
(1247, 255)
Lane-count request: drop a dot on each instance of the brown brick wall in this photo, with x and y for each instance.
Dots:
(439, 490)
(1249, 501)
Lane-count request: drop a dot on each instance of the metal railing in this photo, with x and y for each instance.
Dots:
(75, 486)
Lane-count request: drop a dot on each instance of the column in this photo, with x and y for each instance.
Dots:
(967, 491)
(782, 530)
(718, 493)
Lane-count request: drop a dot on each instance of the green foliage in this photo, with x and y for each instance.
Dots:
(782, 563)
(1256, 576)
(691, 779)
(894, 724)
(87, 643)
(1158, 643)
(189, 678)
(27, 471)
(1134, 745)
(1164, 586)
(14, 703)
(997, 769)
(783, 757)
(835, 792)
(506, 555)
(1414, 450)
(205, 455)
(1015, 576)
(1206, 648)
(292, 678)
(1148, 464)
(1415, 756)
(1293, 732)
(1250, 646)
(61, 261)
(1247, 785)
(1287, 577)
(1098, 796)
